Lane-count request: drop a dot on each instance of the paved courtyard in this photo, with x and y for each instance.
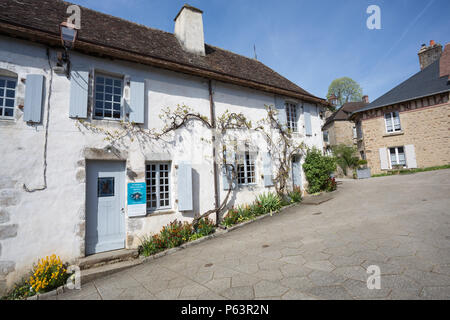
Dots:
(401, 224)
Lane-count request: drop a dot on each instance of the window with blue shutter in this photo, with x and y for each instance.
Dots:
(79, 90)
(307, 116)
(280, 106)
(185, 201)
(227, 174)
(137, 101)
(34, 98)
(267, 166)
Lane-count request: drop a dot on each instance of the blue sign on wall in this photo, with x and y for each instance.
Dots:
(137, 199)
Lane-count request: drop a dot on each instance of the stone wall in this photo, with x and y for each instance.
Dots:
(340, 132)
(426, 128)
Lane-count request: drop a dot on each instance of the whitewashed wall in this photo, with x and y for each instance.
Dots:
(53, 220)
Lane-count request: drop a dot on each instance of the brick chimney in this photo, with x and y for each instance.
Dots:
(189, 29)
(365, 99)
(428, 55)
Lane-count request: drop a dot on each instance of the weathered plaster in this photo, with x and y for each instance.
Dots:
(8, 231)
(4, 216)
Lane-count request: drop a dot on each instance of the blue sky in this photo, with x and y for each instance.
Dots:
(309, 42)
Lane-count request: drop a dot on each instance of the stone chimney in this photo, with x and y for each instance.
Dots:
(189, 29)
(428, 55)
(365, 99)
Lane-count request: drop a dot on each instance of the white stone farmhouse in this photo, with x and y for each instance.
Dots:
(65, 189)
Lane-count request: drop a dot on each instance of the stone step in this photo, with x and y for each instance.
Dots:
(91, 274)
(105, 258)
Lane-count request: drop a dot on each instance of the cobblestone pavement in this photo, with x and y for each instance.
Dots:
(400, 224)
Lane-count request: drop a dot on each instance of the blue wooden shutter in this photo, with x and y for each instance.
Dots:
(307, 115)
(34, 98)
(281, 108)
(267, 163)
(227, 174)
(137, 101)
(79, 89)
(185, 201)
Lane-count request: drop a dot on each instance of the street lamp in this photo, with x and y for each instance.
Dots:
(68, 34)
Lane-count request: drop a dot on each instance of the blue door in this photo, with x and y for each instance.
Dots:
(296, 171)
(105, 203)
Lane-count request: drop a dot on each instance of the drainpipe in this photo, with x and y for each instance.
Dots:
(213, 125)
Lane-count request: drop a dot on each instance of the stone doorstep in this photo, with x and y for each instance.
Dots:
(104, 258)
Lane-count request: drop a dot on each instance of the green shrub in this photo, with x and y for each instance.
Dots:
(296, 195)
(257, 208)
(171, 235)
(346, 156)
(318, 169)
(151, 245)
(231, 218)
(270, 202)
(205, 227)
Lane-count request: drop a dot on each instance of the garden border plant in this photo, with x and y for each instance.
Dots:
(47, 275)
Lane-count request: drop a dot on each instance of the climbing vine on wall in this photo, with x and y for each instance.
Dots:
(280, 141)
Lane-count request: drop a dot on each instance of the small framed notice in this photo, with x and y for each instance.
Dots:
(137, 199)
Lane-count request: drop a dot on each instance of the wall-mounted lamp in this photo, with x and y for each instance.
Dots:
(68, 34)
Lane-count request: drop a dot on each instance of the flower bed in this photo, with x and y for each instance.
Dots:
(265, 203)
(174, 235)
(49, 274)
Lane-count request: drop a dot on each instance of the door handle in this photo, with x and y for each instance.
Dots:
(122, 210)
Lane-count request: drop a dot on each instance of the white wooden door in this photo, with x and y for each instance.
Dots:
(105, 203)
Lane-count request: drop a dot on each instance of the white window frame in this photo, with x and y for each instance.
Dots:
(104, 101)
(4, 97)
(397, 159)
(249, 163)
(291, 116)
(391, 116)
(167, 193)
(326, 134)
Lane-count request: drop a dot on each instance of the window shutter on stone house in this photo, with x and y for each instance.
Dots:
(79, 90)
(410, 154)
(230, 159)
(185, 200)
(307, 117)
(137, 101)
(384, 159)
(34, 98)
(267, 167)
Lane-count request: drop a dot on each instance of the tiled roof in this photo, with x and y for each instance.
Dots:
(426, 82)
(118, 35)
(344, 112)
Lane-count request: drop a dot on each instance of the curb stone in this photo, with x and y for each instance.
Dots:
(218, 232)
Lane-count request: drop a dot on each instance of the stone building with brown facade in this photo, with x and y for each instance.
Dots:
(409, 126)
(339, 129)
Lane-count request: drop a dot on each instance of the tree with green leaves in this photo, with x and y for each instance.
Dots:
(345, 90)
(346, 156)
